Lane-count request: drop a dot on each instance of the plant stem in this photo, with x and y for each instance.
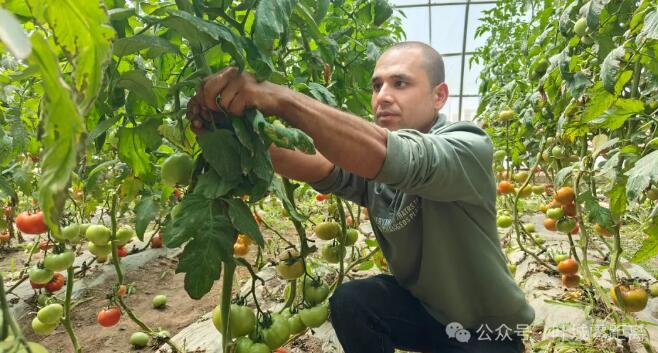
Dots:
(227, 285)
(66, 322)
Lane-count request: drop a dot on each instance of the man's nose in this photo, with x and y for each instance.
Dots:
(384, 96)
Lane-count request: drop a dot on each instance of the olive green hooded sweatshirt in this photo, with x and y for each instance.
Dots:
(433, 212)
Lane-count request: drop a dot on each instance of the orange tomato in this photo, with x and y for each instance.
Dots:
(565, 195)
(505, 187)
(240, 249)
(550, 224)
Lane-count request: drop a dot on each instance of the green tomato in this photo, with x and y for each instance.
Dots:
(59, 262)
(42, 329)
(159, 301)
(499, 155)
(529, 227)
(40, 275)
(333, 253)
(315, 292)
(98, 234)
(557, 152)
(242, 320)
(506, 115)
(555, 212)
(351, 237)
(653, 289)
(580, 27)
(296, 324)
(83, 229)
(291, 268)
(586, 40)
(315, 316)
(139, 339)
(327, 230)
(557, 258)
(277, 333)
(177, 169)
(259, 348)
(51, 314)
(504, 221)
(566, 225)
(124, 235)
(69, 233)
(99, 250)
(243, 344)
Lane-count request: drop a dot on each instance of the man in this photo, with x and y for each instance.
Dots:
(430, 193)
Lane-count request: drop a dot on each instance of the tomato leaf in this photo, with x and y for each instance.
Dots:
(641, 175)
(81, 29)
(212, 186)
(137, 82)
(600, 101)
(618, 201)
(280, 191)
(322, 94)
(610, 68)
(649, 248)
(243, 220)
(596, 213)
(617, 114)
(199, 31)
(272, 17)
(145, 211)
(650, 28)
(222, 151)
(63, 128)
(132, 151)
(201, 263)
(381, 12)
(7, 189)
(562, 174)
(131, 45)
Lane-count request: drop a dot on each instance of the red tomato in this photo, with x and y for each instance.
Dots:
(109, 317)
(122, 252)
(322, 197)
(56, 283)
(156, 242)
(31, 223)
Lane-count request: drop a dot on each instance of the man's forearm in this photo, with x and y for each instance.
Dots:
(346, 140)
(300, 166)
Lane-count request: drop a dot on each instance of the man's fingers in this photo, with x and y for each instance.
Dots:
(215, 85)
(237, 105)
(229, 93)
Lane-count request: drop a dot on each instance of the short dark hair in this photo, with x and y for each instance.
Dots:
(432, 60)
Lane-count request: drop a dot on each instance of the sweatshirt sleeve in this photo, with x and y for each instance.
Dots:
(344, 184)
(452, 165)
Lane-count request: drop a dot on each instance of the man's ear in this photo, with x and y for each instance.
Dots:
(440, 95)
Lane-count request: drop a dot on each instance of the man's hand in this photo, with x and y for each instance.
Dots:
(233, 91)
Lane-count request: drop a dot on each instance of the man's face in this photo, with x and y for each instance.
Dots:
(402, 95)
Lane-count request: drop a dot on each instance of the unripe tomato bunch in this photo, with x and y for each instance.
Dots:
(561, 212)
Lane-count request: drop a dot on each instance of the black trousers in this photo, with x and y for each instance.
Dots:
(377, 315)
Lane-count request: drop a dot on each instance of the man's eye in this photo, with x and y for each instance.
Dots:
(376, 86)
(400, 84)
